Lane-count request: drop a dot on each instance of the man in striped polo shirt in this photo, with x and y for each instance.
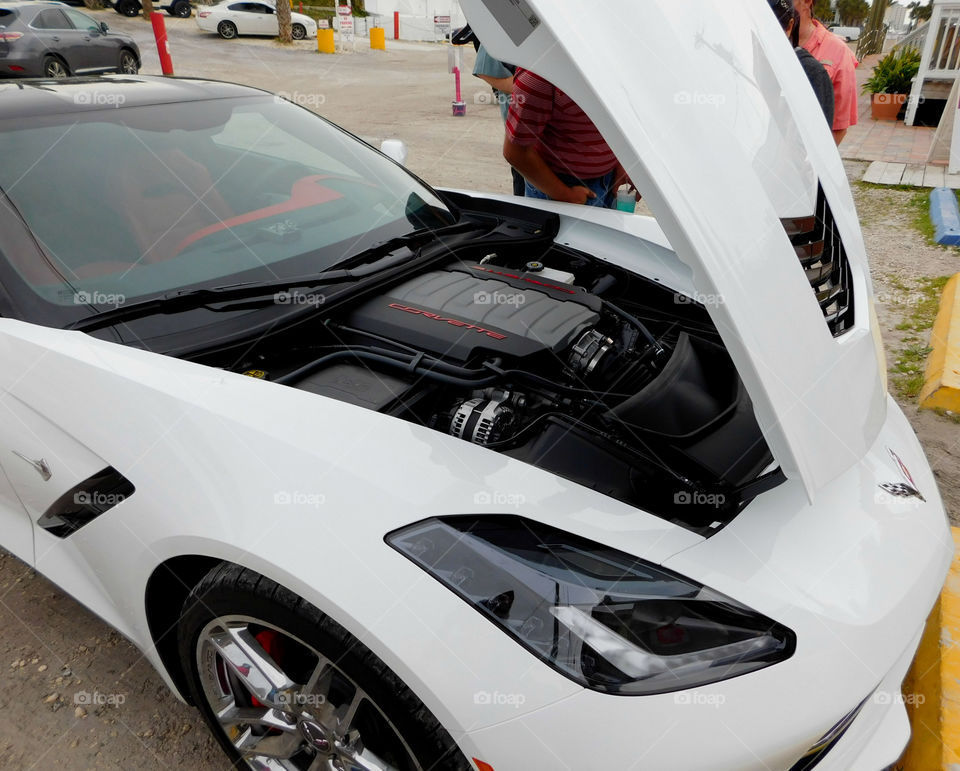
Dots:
(556, 147)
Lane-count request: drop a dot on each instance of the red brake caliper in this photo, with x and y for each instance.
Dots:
(272, 643)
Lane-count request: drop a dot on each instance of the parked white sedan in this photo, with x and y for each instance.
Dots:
(229, 19)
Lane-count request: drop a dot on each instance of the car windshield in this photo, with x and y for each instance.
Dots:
(140, 201)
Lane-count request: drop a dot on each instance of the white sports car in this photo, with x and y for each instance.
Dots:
(250, 17)
(380, 477)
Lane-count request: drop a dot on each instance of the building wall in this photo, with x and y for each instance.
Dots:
(416, 16)
(896, 17)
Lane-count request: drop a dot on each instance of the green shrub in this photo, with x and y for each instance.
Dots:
(894, 73)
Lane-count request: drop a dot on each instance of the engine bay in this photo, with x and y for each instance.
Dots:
(553, 358)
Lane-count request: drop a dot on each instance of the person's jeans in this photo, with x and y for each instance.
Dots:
(601, 186)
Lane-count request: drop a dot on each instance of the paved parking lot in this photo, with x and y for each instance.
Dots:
(405, 93)
(54, 655)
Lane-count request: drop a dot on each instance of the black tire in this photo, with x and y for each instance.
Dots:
(128, 8)
(55, 67)
(299, 32)
(127, 63)
(232, 594)
(181, 10)
(227, 30)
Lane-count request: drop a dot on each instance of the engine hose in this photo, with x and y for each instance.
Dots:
(417, 369)
(637, 323)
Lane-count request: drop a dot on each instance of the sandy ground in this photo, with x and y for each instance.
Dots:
(54, 655)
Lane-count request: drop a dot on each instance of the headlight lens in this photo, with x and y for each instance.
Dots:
(607, 620)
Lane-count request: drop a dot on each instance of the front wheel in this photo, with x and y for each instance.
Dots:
(281, 685)
(227, 30)
(298, 31)
(128, 63)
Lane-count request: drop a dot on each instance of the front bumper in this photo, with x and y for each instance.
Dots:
(854, 575)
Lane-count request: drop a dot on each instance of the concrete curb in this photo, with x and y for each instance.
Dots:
(945, 215)
(941, 388)
(935, 675)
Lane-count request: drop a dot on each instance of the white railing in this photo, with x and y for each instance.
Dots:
(940, 58)
(915, 38)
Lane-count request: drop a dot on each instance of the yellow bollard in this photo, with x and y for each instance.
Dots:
(378, 39)
(325, 43)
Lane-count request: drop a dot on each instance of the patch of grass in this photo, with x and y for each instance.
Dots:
(901, 188)
(908, 370)
(947, 414)
(919, 206)
(925, 302)
(907, 374)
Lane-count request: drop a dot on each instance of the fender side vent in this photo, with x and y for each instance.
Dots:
(824, 260)
(85, 502)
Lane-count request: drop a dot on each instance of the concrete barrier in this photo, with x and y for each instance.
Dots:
(941, 388)
(935, 675)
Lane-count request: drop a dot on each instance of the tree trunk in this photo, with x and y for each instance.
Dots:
(93, 5)
(283, 20)
(147, 8)
(873, 35)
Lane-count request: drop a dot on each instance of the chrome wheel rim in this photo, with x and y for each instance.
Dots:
(227, 30)
(128, 64)
(55, 69)
(293, 709)
(298, 32)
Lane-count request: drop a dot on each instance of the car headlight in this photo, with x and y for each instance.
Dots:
(607, 620)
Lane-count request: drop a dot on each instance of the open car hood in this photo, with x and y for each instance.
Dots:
(708, 109)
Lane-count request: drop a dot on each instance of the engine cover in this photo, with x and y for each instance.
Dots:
(457, 314)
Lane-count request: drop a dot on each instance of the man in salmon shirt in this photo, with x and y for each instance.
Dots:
(840, 63)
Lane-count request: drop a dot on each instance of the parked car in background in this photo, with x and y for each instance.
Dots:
(229, 19)
(180, 8)
(47, 39)
(847, 33)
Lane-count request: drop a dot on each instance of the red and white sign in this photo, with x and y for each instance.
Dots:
(345, 23)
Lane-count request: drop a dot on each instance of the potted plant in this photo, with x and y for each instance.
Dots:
(890, 82)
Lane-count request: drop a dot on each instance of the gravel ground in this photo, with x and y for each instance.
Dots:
(900, 257)
(54, 655)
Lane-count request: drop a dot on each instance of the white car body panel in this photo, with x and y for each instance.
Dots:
(303, 489)
(758, 131)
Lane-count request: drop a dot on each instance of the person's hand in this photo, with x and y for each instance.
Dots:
(579, 194)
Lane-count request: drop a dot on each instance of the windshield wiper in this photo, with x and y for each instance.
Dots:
(229, 297)
(233, 296)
